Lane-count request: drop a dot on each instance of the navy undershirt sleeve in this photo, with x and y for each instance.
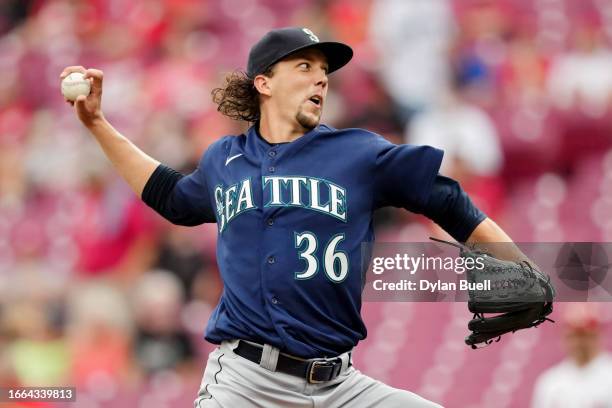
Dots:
(452, 209)
(182, 200)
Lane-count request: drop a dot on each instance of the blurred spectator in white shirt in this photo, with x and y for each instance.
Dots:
(412, 38)
(472, 151)
(584, 378)
(582, 79)
(465, 133)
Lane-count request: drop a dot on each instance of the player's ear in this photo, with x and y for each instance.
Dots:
(262, 84)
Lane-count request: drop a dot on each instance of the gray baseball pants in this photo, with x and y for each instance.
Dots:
(231, 381)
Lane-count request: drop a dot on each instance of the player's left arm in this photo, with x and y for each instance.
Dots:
(489, 232)
(407, 176)
(450, 207)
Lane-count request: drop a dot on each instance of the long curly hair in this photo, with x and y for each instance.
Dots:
(238, 98)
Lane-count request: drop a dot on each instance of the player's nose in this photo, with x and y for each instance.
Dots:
(322, 79)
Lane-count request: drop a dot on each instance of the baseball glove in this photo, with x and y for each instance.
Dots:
(520, 295)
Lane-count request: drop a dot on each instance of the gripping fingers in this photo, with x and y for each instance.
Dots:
(96, 76)
(74, 68)
(79, 102)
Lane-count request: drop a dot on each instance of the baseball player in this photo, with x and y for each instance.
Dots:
(293, 201)
(582, 379)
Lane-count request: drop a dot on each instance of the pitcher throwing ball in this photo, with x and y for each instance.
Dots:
(293, 200)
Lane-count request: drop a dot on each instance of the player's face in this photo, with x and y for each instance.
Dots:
(299, 87)
(582, 344)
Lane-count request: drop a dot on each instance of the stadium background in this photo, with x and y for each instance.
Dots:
(98, 292)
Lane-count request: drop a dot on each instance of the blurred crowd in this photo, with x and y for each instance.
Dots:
(98, 291)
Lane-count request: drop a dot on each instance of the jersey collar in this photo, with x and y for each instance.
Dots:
(259, 144)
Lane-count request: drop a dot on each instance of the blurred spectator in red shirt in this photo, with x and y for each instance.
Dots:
(114, 232)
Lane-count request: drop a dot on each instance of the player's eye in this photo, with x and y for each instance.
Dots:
(304, 65)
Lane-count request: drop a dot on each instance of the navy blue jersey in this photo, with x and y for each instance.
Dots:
(291, 220)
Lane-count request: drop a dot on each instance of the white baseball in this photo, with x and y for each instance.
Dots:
(74, 85)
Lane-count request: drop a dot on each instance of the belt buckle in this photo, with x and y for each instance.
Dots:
(323, 363)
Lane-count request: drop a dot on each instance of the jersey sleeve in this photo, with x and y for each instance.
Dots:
(452, 209)
(182, 200)
(404, 174)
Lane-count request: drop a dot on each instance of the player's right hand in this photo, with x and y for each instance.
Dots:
(88, 108)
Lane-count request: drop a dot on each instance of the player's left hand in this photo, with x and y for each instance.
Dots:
(520, 295)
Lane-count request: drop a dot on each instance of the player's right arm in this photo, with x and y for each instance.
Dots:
(132, 164)
(182, 200)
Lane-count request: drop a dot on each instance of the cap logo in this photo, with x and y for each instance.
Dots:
(311, 35)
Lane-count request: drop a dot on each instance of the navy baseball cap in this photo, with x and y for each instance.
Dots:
(278, 44)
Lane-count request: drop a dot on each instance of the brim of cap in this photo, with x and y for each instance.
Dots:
(336, 53)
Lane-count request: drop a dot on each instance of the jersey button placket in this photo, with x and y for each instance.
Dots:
(269, 166)
(272, 155)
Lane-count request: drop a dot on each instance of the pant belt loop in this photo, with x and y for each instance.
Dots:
(269, 357)
(345, 357)
(229, 345)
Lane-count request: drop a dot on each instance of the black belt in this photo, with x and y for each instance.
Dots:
(314, 371)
